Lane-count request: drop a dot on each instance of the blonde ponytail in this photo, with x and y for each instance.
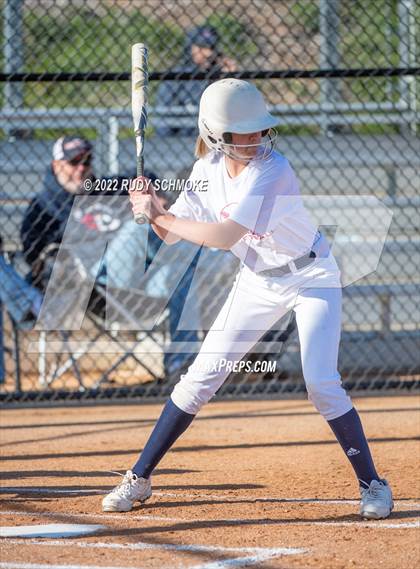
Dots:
(201, 148)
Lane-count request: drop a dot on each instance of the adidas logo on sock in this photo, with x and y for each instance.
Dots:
(352, 451)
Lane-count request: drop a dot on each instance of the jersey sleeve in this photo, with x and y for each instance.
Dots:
(273, 193)
(191, 203)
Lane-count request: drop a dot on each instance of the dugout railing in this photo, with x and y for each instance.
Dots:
(108, 122)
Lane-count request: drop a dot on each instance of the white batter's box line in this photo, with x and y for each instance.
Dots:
(11, 565)
(32, 490)
(233, 521)
(221, 498)
(277, 499)
(361, 523)
(253, 555)
(57, 530)
(92, 516)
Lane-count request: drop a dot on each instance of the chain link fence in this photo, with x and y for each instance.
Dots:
(343, 78)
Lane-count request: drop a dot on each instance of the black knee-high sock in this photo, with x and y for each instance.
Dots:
(349, 432)
(171, 424)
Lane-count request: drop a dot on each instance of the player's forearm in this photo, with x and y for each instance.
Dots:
(198, 232)
(166, 236)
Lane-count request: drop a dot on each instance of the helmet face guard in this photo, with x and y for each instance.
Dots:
(264, 148)
(233, 106)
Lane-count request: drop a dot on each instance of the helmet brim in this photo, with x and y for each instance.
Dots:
(246, 127)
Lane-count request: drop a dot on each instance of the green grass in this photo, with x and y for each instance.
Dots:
(70, 40)
(369, 37)
(83, 41)
(235, 40)
(375, 129)
(54, 133)
(306, 13)
(297, 130)
(86, 42)
(89, 133)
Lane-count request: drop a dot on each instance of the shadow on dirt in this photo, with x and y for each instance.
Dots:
(274, 444)
(22, 474)
(243, 415)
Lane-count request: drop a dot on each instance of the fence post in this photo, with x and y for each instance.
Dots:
(2, 348)
(113, 146)
(102, 139)
(385, 300)
(407, 56)
(391, 173)
(329, 25)
(16, 353)
(13, 51)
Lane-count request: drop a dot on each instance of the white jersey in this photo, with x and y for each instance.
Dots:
(264, 198)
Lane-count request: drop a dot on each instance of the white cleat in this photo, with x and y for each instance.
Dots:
(376, 501)
(132, 488)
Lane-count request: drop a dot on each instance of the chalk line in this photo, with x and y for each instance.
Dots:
(32, 490)
(142, 545)
(50, 530)
(232, 521)
(17, 565)
(255, 554)
(274, 499)
(221, 498)
(98, 516)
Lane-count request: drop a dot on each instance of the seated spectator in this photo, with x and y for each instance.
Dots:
(201, 55)
(46, 218)
(94, 222)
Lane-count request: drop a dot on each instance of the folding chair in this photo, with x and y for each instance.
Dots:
(21, 302)
(115, 338)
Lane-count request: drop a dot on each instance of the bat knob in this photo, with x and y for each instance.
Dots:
(141, 219)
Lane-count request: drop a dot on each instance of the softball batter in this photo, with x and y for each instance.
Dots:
(253, 208)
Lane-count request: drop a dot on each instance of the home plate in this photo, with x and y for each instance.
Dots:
(49, 530)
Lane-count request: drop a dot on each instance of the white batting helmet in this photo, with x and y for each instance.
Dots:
(232, 106)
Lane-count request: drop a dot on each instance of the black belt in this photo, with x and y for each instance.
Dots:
(299, 263)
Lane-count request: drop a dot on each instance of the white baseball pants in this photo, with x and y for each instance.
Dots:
(253, 306)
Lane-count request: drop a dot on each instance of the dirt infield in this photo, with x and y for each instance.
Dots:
(250, 483)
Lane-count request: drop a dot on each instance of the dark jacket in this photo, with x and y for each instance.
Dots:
(186, 93)
(45, 219)
(182, 93)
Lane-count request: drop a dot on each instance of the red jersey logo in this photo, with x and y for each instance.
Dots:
(225, 214)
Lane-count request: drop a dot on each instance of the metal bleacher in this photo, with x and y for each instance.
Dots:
(337, 164)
